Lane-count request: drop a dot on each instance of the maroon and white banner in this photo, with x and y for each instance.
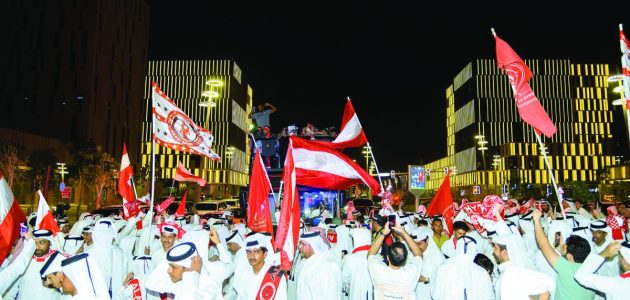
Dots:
(183, 175)
(529, 108)
(289, 222)
(351, 134)
(125, 188)
(320, 166)
(10, 217)
(173, 129)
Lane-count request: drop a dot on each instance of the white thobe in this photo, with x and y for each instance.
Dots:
(584, 213)
(113, 264)
(240, 262)
(516, 283)
(615, 288)
(31, 284)
(319, 278)
(432, 258)
(611, 266)
(448, 248)
(460, 278)
(247, 284)
(223, 268)
(157, 256)
(13, 271)
(355, 277)
(195, 286)
(394, 284)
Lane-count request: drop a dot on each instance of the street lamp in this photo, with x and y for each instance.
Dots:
(211, 94)
(366, 153)
(62, 169)
(482, 147)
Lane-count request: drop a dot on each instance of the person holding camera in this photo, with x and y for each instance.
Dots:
(261, 116)
(399, 279)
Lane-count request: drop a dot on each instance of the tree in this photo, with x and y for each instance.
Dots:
(578, 190)
(39, 162)
(101, 173)
(11, 157)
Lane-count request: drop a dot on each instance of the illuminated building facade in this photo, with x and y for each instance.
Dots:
(184, 81)
(489, 145)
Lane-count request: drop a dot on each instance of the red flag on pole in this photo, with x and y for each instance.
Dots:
(625, 63)
(10, 217)
(181, 209)
(351, 133)
(125, 189)
(442, 203)
(289, 223)
(258, 212)
(529, 108)
(183, 175)
(45, 219)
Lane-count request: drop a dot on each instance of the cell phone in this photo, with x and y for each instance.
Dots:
(392, 220)
(23, 229)
(556, 242)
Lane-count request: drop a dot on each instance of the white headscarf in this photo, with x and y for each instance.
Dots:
(71, 244)
(343, 238)
(236, 238)
(361, 237)
(52, 265)
(601, 225)
(314, 239)
(86, 277)
(515, 248)
(46, 235)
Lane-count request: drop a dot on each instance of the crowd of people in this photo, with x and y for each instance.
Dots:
(521, 251)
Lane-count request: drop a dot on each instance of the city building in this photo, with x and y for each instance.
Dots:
(215, 95)
(73, 71)
(488, 145)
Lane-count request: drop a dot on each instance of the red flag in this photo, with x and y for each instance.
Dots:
(10, 217)
(45, 219)
(323, 167)
(289, 223)
(125, 188)
(258, 212)
(625, 64)
(182, 174)
(162, 206)
(181, 209)
(529, 107)
(351, 134)
(442, 203)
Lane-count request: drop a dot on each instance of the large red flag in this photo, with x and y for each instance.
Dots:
(258, 212)
(125, 188)
(442, 203)
(181, 209)
(45, 219)
(625, 65)
(529, 107)
(289, 223)
(351, 133)
(323, 167)
(183, 175)
(10, 217)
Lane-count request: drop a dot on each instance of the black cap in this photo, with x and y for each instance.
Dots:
(380, 220)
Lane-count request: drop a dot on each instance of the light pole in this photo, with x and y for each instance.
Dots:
(62, 169)
(625, 103)
(366, 153)
(211, 94)
(481, 141)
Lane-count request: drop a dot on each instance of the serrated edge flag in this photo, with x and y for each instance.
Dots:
(351, 134)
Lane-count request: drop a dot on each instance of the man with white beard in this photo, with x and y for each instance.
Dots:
(602, 237)
(319, 276)
(459, 277)
(356, 280)
(432, 258)
(112, 262)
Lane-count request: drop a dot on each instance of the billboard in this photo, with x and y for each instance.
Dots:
(417, 178)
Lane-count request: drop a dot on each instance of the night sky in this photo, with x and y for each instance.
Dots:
(394, 60)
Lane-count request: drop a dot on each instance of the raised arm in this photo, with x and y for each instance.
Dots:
(273, 108)
(378, 241)
(541, 239)
(400, 231)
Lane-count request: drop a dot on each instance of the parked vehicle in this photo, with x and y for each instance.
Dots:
(211, 207)
(115, 210)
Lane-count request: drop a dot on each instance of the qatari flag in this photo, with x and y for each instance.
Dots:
(529, 107)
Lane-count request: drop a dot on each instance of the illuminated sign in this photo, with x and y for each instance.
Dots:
(417, 180)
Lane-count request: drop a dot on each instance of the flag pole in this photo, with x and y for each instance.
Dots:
(133, 185)
(152, 181)
(269, 182)
(553, 178)
(371, 154)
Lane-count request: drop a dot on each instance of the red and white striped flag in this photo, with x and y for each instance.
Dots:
(323, 167)
(625, 64)
(351, 134)
(173, 129)
(289, 223)
(529, 108)
(45, 218)
(10, 217)
(125, 188)
(183, 175)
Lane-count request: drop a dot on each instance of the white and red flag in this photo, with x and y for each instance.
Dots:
(323, 167)
(45, 218)
(625, 65)
(351, 133)
(10, 217)
(125, 188)
(529, 108)
(258, 212)
(181, 209)
(173, 129)
(289, 222)
(183, 175)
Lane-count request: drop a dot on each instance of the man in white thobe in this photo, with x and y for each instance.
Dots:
(112, 262)
(432, 258)
(30, 284)
(169, 233)
(319, 276)
(459, 277)
(17, 267)
(260, 280)
(357, 284)
(602, 237)
(615, 288)
(459, 229)
(77, 276)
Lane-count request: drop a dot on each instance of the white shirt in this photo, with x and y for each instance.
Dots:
(11, 273)
(247, 284)
(432, 259)
(448, 248)
(459, 276)
(615, 288)
(31, 284)
(319, 278)
(396, 284)
(355, 277)
(516, 283)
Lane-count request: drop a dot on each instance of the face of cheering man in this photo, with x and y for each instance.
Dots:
(87, 238)
(233, 247)
(176, 272)
(167, 239)
(256, 257)
(60, 282)
(500, 253)
(305, 249)
(437, 227)
(423, 244)
(41, 247)
(599, 237)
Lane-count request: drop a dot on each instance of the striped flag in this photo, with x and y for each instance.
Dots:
(625, 63)
(351, 134)
(45, 218)
(289, 222)
(10, 217)
(183, 175)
